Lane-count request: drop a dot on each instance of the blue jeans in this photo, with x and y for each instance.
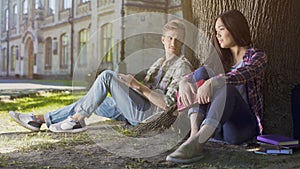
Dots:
(124, 103)
(228, 112)
(237, 123)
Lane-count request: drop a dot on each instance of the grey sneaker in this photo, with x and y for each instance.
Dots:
(68, 126)
(26, 120)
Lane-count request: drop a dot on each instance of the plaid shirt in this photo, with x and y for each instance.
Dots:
(172, 72)
(251, 75)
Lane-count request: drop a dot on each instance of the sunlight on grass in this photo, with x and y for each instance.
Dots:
(38, 104)
(10, 144)
(14, 137)
(40, 101)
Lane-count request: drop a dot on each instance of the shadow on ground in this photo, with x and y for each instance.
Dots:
(80, 151)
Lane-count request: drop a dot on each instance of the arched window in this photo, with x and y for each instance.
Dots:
(25, 7)
(51, 7)
(48, 53)
(64, 51)
(107, 43)
(13, 58)
(83, 47)
(38, 4)
(6, 19)
(84, 1)
(15, 16)
(67, 4)
(4, 60)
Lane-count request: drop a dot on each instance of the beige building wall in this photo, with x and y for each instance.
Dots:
(1, 24)
(34, 28)
(144, 22)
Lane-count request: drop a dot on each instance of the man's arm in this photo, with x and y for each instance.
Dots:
(154, 97)
(172, 78)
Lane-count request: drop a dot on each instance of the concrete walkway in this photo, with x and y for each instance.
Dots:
(18, 88)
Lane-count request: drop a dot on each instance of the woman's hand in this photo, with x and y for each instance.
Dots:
(186, 93)
(204, 92)
(129, 80)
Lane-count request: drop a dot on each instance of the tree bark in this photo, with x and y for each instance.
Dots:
(188, 16)
(275, 29)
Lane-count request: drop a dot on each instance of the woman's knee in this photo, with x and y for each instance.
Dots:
(200, 73)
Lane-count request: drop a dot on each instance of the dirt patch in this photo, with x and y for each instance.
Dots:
(81, 151)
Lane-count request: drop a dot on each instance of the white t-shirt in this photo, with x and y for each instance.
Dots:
(240, 88)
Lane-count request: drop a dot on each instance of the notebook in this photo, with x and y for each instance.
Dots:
(277, 139)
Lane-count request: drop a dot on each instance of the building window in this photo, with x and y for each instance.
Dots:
(84, 45)
(17, 53)
(67, 4)
(25, 7)
(64, 54)
(37, 4)
(4, 60)
(107, 43)
(84, 1)
(6, 19)
(13, 58)
(48, 53)
(15, 16)
(51, 7)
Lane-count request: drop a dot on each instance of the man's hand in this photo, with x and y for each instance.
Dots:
(186, 93)
(129, 80)
(154, 97)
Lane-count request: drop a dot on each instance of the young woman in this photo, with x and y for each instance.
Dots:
(231, 103)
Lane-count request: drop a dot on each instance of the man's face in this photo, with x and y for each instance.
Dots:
(173, 41)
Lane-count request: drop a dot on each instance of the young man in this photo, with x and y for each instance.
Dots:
(130, 100)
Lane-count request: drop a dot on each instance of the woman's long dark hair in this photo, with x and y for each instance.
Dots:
(236, 23)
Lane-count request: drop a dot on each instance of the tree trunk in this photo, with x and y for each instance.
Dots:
(275, 28)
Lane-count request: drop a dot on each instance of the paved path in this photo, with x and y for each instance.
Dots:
(25, 86)
(18, 88)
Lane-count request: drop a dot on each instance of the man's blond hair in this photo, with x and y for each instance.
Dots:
(174, 24)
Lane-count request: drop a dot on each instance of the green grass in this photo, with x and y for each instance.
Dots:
(38, 104)
(125, 131)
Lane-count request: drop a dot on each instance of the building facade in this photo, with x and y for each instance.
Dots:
(63, 38)
(0, 33)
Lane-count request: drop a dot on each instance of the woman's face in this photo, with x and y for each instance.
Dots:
(223, 35)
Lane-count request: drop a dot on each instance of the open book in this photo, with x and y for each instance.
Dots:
(181, 107)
